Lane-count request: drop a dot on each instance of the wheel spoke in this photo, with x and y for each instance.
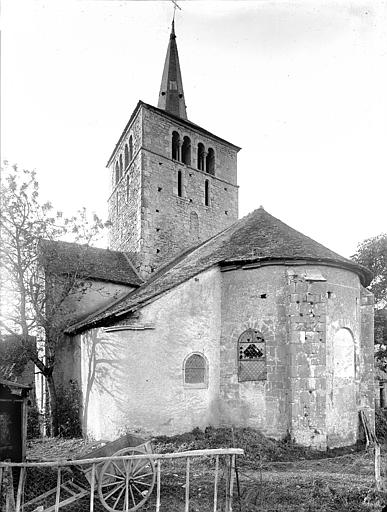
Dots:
(114, 491)
(142, 483)
(115, 476)
(110, 484)
(119, 497)
(142, 476)
(118, 469)
(132, 495)
(138, 490)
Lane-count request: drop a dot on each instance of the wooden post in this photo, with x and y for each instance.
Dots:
(158, 485)
(92, 487)
(187, 486)
(57, 496)
(216, 483)
(8, 490)
(232, 467)
(20, 489)
(378, 478)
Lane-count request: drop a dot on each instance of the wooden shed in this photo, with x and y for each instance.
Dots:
(13, 420)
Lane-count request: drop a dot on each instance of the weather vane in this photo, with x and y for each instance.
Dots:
(174, 8)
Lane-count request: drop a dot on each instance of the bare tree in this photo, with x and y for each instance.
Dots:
(34, 300)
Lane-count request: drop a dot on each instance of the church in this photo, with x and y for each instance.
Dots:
(206, 319)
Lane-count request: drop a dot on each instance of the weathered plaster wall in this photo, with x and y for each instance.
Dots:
(317, 325)
(132, 379)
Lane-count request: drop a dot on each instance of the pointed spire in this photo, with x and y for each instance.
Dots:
(171, 97)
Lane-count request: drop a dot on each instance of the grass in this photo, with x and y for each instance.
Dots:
(273, 475)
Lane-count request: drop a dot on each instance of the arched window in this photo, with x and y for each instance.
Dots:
(121, 165)
(126, 158)
(207, 193)
(175, 146)
(201, 156)
(210, 161)
(186, 151)
(179, 184)
(117, 172)
(251, 356)
(195, 371)
(127, 188)
(130, 148)
(194, 226)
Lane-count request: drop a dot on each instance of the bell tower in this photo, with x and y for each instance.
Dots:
(173, 183)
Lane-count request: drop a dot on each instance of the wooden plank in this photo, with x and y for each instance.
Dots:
(67, 501)
(158, 485)
(9, 497)
(154, 456)
(92, 487)
(57, 497)
(216, 483)
(187, 486)
(378, 477)
(232, 471)
(20, 488)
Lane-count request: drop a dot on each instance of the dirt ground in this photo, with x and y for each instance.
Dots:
(272, 476)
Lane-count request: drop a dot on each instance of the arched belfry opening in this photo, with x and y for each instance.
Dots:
(186, 151)
(175, 146)
(210, 162)
(200, 159)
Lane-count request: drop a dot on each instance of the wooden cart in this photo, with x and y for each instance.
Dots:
(123, 485)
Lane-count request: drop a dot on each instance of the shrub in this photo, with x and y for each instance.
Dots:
(69, 410)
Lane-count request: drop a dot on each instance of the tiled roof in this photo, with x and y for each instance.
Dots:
(259, 237)
(88, 262)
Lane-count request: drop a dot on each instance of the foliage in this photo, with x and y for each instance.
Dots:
(34, 422)
(69, 410)
(381, 425)
(372, 253)
(28, 310)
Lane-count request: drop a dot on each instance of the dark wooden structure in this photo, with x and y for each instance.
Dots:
(13, 420)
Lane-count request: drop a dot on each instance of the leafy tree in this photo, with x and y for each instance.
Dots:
(372, 253)
(33, 306)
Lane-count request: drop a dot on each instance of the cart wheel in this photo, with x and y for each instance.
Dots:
(125, 485)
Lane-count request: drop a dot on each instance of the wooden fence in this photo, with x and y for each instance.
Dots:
(151, 482)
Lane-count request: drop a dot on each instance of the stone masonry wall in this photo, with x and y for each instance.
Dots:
(306, 307)
(171, 223)
(255, 298)
(125, 203)
(151, 221)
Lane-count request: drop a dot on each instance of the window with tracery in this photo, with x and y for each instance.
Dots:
(251, 356)
(195, 371)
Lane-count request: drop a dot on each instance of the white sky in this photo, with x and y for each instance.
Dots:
(301, 86)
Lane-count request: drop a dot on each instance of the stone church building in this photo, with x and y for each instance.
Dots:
(206, 319)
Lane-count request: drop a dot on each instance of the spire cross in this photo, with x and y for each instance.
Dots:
(174, 8)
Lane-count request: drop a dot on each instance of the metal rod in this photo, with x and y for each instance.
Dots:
(158, 485)
(92, 487)
(187, 486)
(216, 483)
(57, 497)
